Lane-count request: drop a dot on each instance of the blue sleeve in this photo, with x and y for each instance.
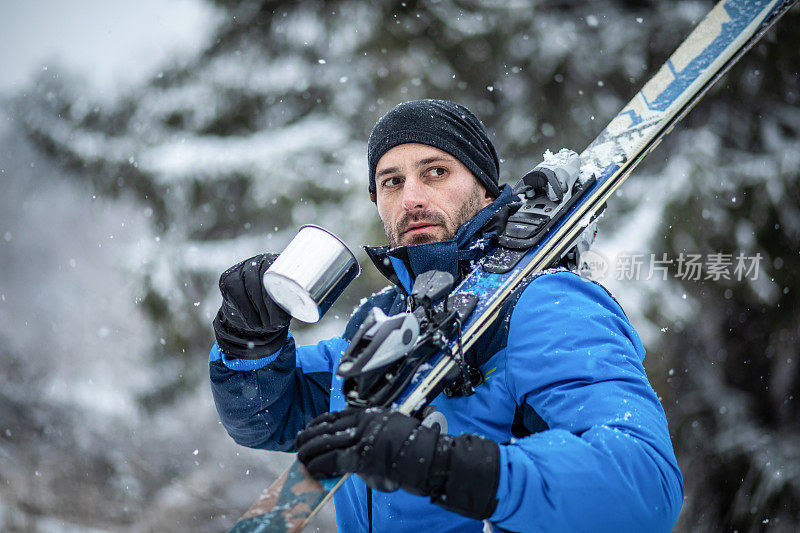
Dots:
(606, 462)
(263, 403)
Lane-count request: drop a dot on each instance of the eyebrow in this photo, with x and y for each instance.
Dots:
(420, 163)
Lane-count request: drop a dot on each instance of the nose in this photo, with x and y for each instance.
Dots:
(414, 195)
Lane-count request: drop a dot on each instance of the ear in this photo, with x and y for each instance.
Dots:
(373, 197)
(487, 196)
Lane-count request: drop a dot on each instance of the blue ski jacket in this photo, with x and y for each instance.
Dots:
(584, 443)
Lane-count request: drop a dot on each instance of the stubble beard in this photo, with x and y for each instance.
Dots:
(466, 211)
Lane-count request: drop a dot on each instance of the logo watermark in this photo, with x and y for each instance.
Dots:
(686, 266)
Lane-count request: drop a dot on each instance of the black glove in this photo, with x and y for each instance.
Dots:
(249, 324)
(390, 450)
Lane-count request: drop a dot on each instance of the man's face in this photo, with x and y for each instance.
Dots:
(425, 194)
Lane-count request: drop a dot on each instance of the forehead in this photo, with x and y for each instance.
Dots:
(410, 153)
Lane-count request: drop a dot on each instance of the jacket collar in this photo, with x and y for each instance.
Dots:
(402, 265)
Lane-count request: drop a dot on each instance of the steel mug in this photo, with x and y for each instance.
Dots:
(311, 273)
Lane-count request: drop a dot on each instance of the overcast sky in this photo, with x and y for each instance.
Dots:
(110, 41)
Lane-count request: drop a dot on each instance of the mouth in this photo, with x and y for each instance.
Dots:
(419, 227)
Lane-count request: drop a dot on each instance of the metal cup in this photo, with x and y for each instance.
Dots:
(311, 273)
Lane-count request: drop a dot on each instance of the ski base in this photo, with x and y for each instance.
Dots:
(288, 504)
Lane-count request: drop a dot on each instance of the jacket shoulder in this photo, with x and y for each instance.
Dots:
(567, 286)
(495, 337)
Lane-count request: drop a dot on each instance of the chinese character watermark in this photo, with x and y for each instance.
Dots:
(686, 266)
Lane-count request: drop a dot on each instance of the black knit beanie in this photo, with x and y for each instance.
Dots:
(444, 125)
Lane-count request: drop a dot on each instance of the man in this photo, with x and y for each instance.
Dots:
(565, 432)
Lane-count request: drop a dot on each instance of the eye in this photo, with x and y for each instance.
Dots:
(393, 181)
(436, 172)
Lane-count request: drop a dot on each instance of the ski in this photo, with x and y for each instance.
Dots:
(536, 242)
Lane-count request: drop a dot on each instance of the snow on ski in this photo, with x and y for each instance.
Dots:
(721, 38)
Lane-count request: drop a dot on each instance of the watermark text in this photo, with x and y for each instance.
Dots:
(685, 266)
